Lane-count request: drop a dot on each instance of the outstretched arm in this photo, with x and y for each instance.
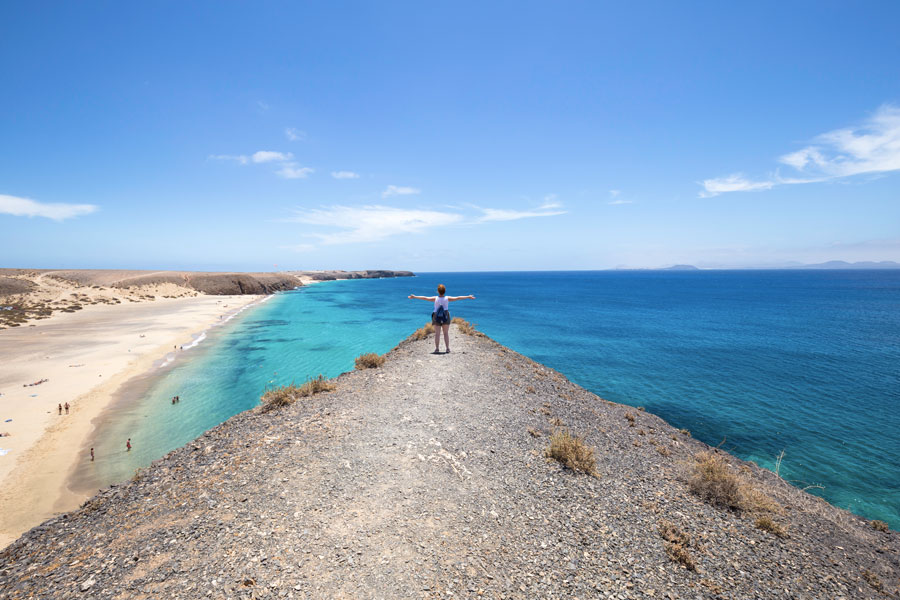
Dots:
(455, 298)
(429, 298)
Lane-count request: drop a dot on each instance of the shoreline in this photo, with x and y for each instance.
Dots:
(86, 358)
(80, 482)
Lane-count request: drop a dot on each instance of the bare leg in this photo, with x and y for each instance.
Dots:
(437, 338)
(446, 328)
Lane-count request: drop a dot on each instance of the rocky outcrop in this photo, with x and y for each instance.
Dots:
(428, 478)
(370, 274)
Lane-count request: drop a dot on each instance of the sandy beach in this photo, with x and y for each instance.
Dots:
(82, 358)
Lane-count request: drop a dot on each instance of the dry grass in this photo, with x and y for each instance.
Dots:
(422, 333)
(872, 579)
(767, 524)
(369, 361)
(685, 432)
(464, 326)
(671, 533)
(572, 452)
(630, 418)
(534, 432)
(663, 450)
(714, 481)
(880, 526)
(288, 394)
(680, 554)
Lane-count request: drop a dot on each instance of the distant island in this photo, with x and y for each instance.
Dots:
(842, 264)
(680, 268)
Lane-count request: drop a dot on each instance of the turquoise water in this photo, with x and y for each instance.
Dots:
(805, 362)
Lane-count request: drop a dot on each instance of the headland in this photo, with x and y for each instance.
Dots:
(70, 339)
(451, 475)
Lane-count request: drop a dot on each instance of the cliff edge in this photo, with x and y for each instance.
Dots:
(428, 477)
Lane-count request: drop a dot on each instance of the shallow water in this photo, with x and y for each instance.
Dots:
(804, 362)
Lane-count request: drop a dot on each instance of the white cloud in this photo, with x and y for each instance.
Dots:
(872, 147)
(614, 193)
(291, 170)
(264, 156)
(399, 190)
(372, 223)
(619, 201)
(294, 134)
(287, 168)
(239, 158)
(344, 175)
(732, 183)
(263, 106)
(548, 209)
(23, 207)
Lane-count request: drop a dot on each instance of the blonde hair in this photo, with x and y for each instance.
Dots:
(441, 289)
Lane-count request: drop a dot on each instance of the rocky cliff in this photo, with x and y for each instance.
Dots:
(474, 474)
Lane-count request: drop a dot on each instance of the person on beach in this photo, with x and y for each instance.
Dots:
(60, 409)
(128, 445)
(440, 317)
(67, 408)
(92, 455)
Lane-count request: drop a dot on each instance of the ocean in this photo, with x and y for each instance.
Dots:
(758, 362)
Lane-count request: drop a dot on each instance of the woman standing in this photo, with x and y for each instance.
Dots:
(441, 315)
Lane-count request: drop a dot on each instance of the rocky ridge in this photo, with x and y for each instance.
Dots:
(427, 478)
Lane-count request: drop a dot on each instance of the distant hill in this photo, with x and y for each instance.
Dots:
(680, 268)
(842, 264)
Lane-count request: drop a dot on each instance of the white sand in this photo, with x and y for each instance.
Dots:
(106, 344)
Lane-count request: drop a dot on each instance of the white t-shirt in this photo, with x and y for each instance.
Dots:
(441, 301)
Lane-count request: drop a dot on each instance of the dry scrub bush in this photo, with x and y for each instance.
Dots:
(464, 326)
(679, 554)
(572, 452)
(670, 532)
(288, 394)
(534, 432)
(423, 332)
(630, 418)
(663, 450)
(872, 579)
(369, 361)
(767, 524)
(880, 526)
(714, 481)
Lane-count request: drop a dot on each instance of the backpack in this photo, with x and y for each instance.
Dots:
(440, 314)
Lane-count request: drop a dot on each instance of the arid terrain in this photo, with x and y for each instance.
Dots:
(475, 474)
(28, 295)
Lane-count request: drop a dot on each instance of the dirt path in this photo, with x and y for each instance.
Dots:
(421, 479)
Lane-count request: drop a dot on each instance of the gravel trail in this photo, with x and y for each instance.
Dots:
(421, 479)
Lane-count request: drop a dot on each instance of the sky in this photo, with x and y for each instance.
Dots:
(448, 136)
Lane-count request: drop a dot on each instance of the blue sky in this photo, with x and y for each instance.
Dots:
(448, 136)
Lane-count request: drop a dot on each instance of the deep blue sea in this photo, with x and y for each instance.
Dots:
(804, 362)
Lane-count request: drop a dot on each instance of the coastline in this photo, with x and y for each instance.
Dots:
(86, 357)
(436, 473)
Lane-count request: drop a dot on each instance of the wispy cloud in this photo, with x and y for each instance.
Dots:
(372, 223)
(262, 106)
(287, 168)
(294, 134)
(241, 159)
(344, 175)
(264, 156)
(291, 170)
(24, 207)
(869, 148)
(399, 190)
(615, 199)
(732, 183)
(548, 209)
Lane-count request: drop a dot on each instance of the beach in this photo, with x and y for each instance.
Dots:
(82, 358)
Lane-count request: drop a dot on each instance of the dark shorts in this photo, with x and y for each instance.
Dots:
(444, 321)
